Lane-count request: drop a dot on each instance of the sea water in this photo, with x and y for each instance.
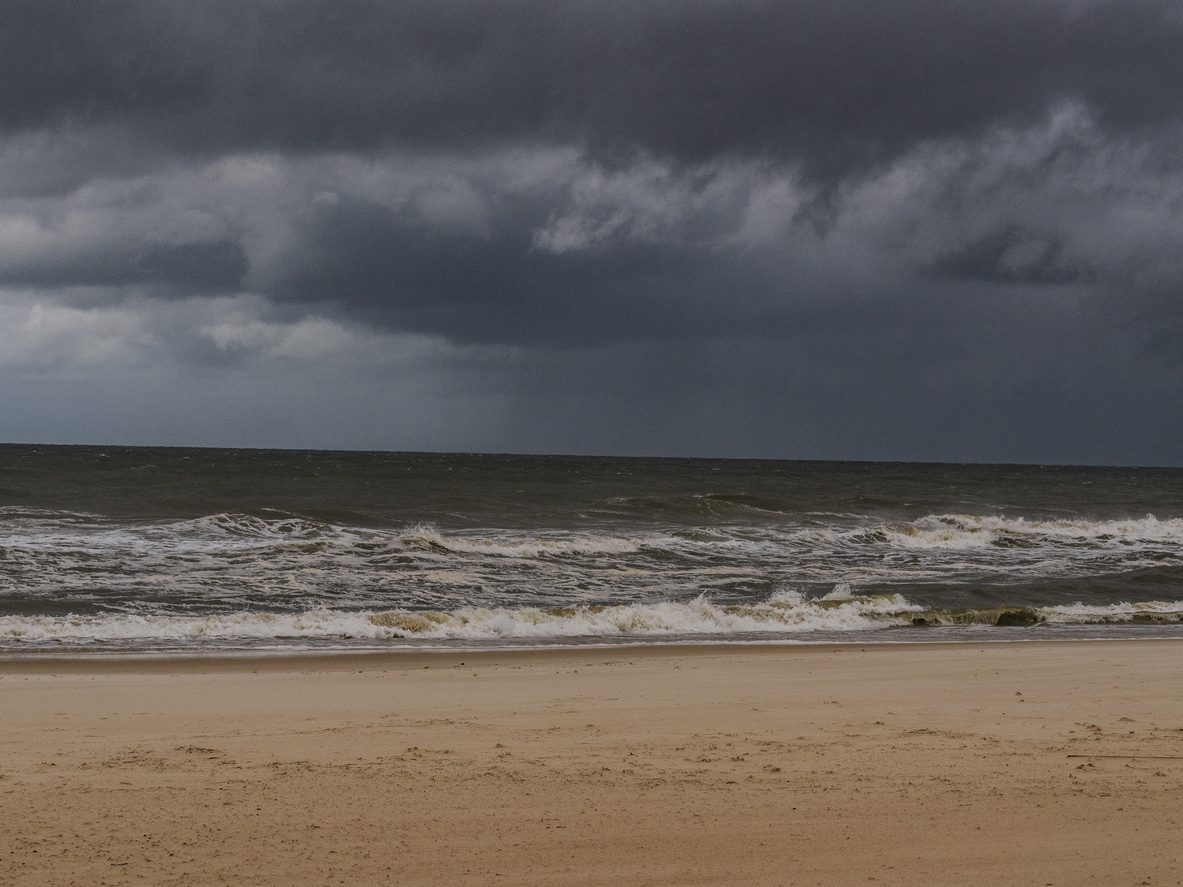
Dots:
(160, 549)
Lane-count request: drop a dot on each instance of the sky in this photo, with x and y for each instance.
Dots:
(815, 229)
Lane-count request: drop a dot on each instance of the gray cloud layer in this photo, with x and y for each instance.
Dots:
(779, 215)
(835, 83)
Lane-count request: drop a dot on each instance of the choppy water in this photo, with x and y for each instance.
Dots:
(154, 549)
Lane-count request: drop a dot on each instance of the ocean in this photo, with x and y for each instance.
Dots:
(154, 550)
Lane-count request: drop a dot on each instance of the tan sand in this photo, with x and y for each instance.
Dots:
(936, 765)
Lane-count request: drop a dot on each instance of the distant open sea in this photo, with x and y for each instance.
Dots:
(146, 550)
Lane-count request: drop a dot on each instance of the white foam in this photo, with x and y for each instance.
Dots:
(536, 545)
(964, 531)
(1079, 613)
(248, 527)
(227, 560)
(786, 611)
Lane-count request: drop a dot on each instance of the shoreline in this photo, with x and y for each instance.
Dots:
(60, 661)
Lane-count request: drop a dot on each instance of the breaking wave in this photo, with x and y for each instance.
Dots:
(783, 614)
(538, 545)
(253, 526)
(73, 578)
(962, 531)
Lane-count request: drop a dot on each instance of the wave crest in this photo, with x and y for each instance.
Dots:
(541, 545)
(785, 613)
(964, 531)
(250, 526)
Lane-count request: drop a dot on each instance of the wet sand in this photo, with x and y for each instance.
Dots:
(1041, 763)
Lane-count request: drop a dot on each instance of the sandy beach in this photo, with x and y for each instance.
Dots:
(1049, 763)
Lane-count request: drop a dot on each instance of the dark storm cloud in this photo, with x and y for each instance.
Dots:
(829, 91)
(823, 227)
(1011, 255)
(173, 269)
(395, 271)
(835, 84)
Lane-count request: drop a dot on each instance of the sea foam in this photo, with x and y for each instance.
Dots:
(783, 613)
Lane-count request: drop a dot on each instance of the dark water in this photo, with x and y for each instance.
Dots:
(145, 548)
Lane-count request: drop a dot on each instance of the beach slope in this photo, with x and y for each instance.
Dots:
(1040, 763)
